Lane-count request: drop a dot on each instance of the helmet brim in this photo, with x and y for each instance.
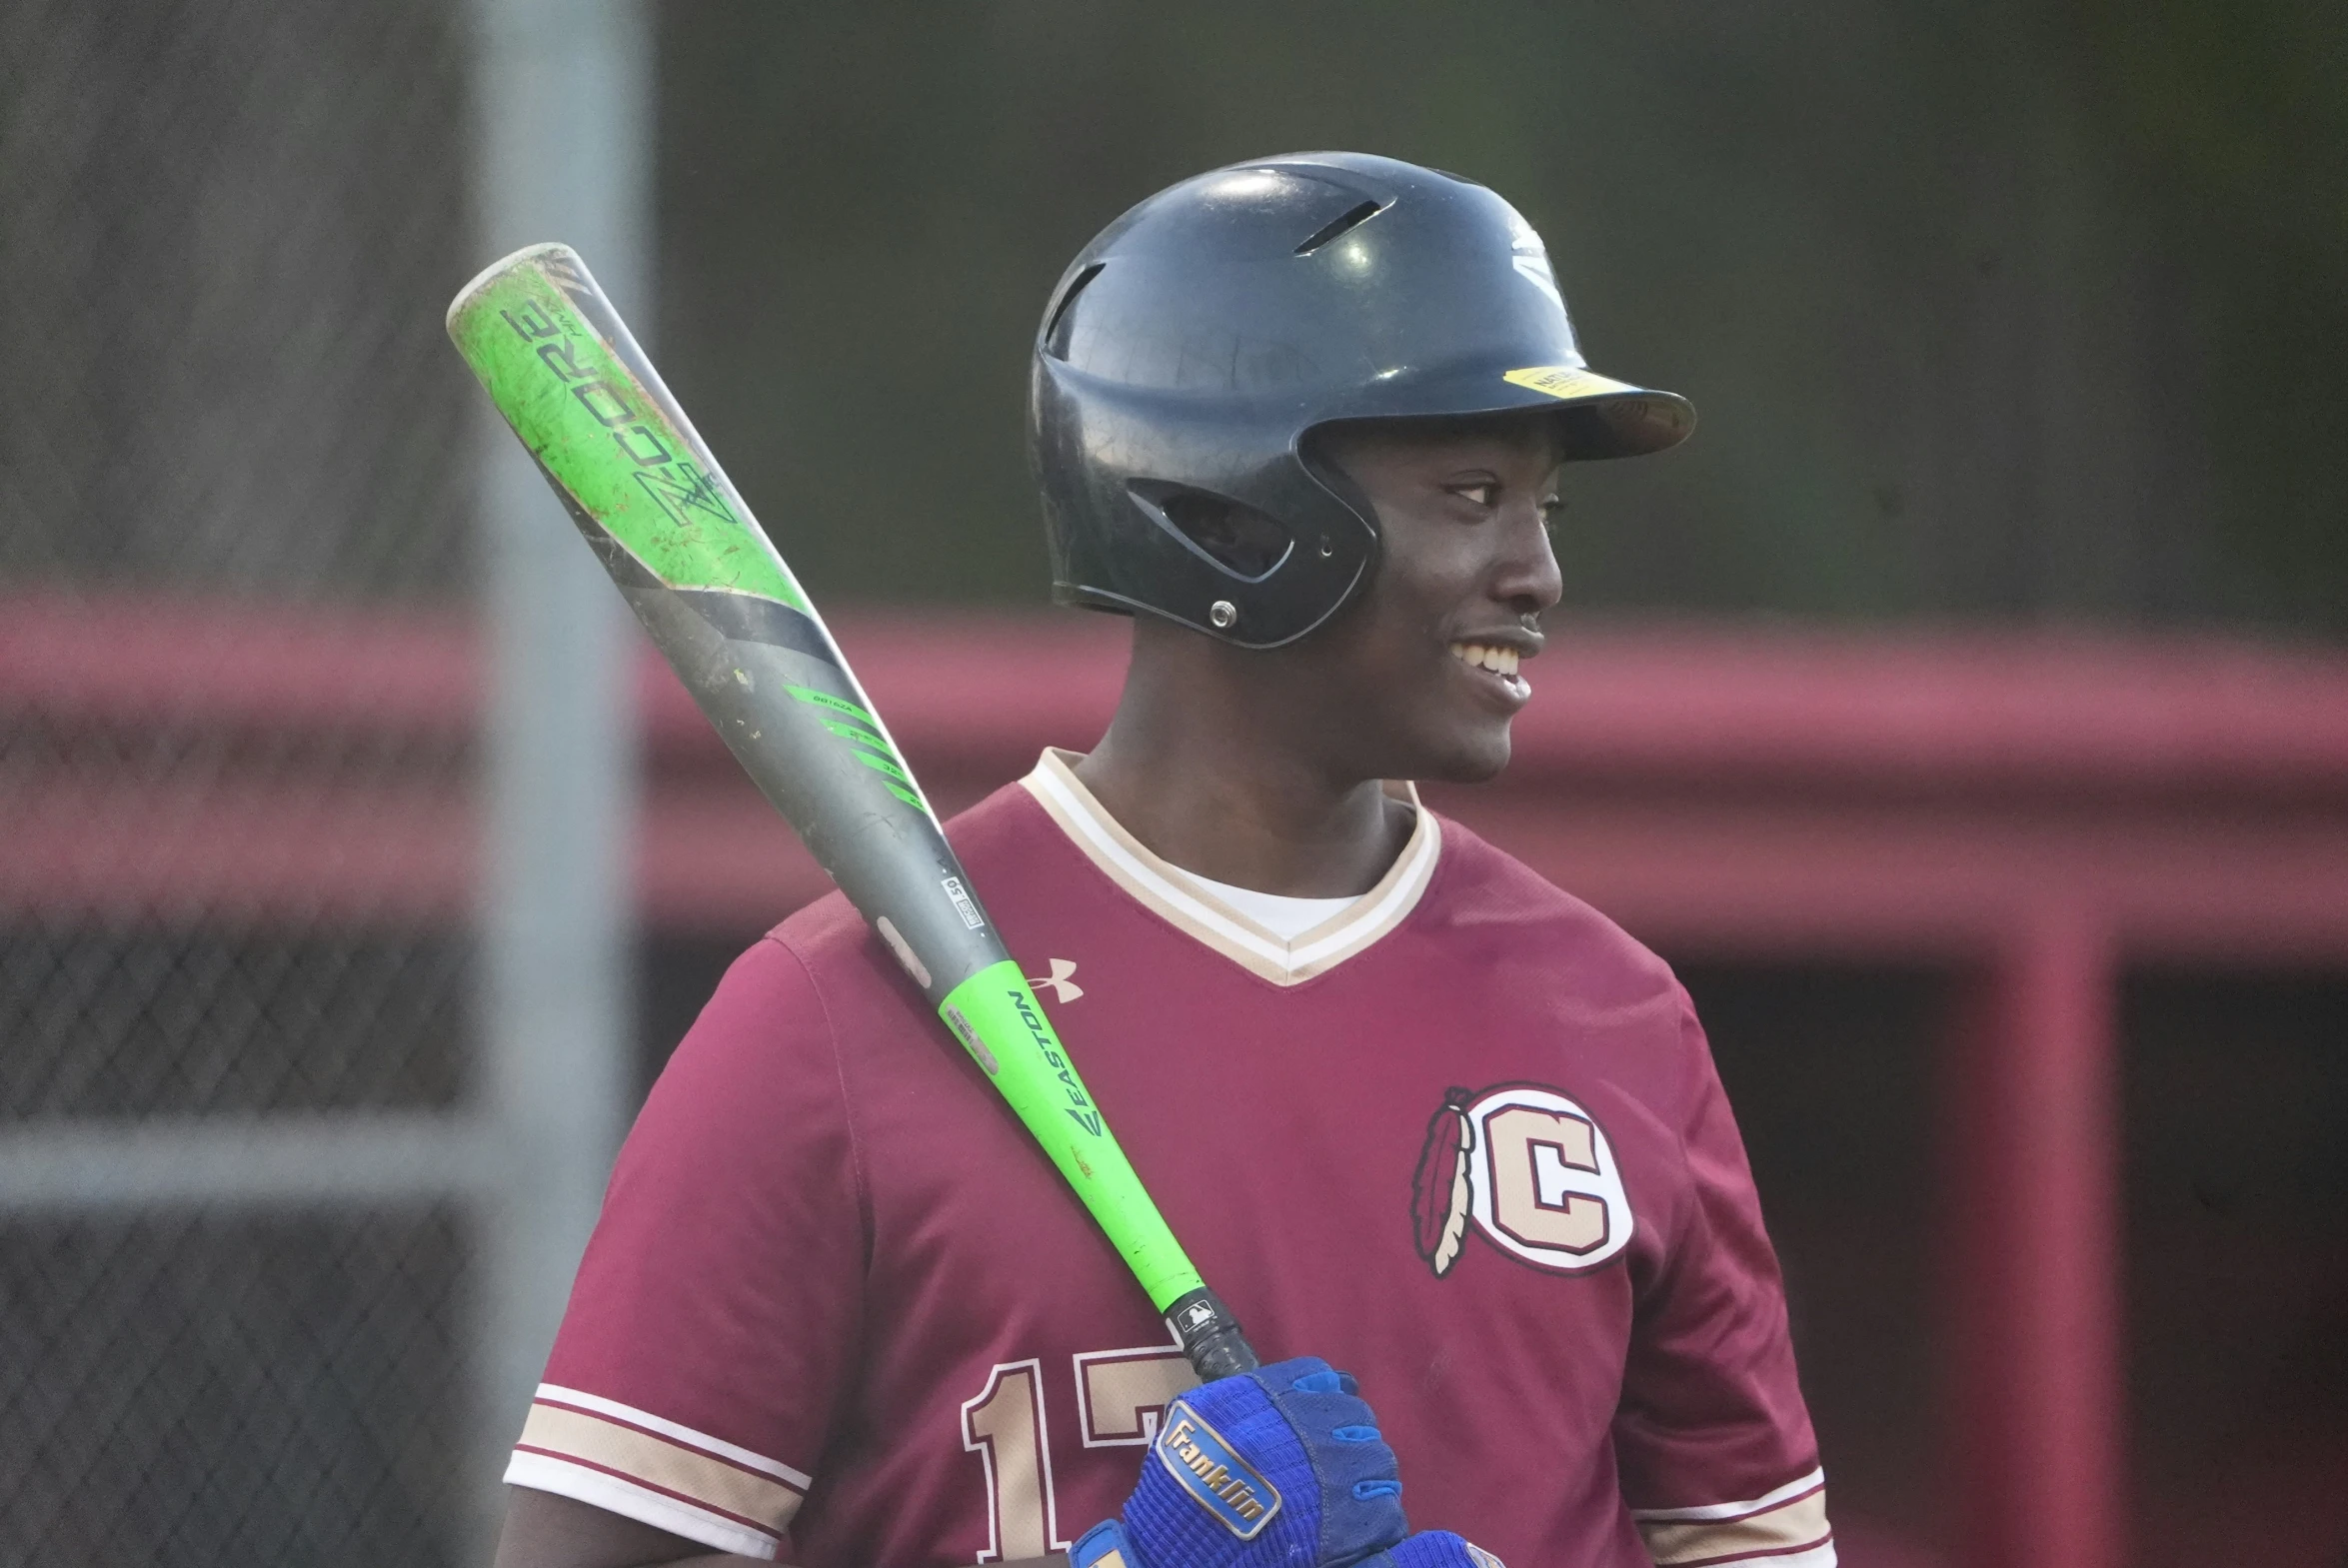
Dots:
(1603, 416)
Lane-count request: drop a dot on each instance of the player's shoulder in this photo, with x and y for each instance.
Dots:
(821, 986)
(997, 842)
(1485, 898)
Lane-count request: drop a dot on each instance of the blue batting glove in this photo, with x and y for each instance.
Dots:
(1280, 1467)
(1433, 1549)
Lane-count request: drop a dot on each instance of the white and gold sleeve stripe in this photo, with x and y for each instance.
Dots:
(656, 1471)
(1189, 909)
(1783, 1528)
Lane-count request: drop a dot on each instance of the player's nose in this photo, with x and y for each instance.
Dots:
(1525, 576)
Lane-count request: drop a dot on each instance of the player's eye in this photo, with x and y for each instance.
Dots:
(1552, 509)
(1483, 491)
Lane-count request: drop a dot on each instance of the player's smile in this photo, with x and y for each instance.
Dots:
(1491, 660)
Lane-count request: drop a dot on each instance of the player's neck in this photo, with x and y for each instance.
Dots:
(1208, 771)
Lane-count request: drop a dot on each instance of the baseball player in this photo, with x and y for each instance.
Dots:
(1420, 1116)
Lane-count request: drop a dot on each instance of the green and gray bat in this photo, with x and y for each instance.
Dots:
(723, 607)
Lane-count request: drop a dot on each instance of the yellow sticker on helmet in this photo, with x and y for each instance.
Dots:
(1566, 381)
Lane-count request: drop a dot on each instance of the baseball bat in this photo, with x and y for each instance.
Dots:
(724, 609)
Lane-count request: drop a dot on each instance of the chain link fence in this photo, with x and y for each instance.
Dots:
(236, 496)
(230, 1390)
(229, 227)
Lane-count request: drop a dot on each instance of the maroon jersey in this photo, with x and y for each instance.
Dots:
(1463, 1139)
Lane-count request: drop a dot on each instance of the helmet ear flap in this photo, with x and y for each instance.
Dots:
(1234, 538)
(1325, 473)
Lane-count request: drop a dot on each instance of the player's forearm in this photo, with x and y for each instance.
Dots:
(544, 1530)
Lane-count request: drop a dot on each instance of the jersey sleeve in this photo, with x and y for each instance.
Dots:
(1717, 1458)
(692, 1379)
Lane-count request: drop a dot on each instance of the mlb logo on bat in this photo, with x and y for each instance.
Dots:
(1527, 1168)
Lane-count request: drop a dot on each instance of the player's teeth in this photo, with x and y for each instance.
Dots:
(1499, 660)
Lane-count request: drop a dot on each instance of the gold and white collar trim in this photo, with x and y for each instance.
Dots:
(1201, 914)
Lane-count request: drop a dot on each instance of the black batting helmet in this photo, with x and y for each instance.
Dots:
(1193, 345)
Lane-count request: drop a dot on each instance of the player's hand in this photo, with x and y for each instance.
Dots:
(1433, 1549)
(1281, 1467)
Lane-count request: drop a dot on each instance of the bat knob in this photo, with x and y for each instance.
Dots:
(1210, 1336)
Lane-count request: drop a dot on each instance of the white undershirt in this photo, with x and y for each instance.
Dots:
(1285, 917)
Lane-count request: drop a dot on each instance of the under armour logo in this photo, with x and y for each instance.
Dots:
(1058, 982)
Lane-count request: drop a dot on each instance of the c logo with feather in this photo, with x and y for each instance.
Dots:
(1531, 1169)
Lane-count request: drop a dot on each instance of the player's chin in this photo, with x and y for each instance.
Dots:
(1465, 752)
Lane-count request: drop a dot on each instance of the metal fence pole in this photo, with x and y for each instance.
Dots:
(562, 93)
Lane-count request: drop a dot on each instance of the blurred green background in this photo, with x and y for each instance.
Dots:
(1991, 311)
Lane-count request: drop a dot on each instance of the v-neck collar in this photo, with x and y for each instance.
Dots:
(1182, 903)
